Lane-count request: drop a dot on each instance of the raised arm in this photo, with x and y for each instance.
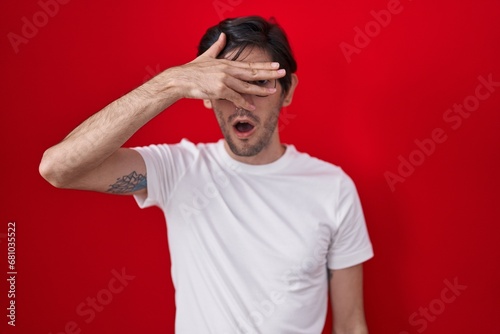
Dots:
(91, 157)
(346, 291)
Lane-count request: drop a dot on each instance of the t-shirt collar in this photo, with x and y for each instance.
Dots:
(274, 166)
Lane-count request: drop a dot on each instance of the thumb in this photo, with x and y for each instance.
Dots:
(217, 47)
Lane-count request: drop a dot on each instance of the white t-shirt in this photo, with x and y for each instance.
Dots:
(250, 244)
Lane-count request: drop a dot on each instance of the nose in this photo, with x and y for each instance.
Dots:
(249, 98)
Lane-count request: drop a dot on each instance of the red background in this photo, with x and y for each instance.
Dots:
(440, 224)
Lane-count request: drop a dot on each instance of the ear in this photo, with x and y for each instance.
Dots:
(207, 104)
(289, 96)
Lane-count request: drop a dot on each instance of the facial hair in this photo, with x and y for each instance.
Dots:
(243, 148)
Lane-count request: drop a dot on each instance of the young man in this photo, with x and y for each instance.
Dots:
(258, 232)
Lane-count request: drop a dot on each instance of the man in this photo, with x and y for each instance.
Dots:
(258, 232)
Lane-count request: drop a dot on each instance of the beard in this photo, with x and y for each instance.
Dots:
(261, 138)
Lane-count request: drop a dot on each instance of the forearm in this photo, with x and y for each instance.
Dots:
(93, 141)
(346, 288)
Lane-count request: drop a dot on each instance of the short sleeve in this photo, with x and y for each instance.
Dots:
(165, 166)
(350, 244)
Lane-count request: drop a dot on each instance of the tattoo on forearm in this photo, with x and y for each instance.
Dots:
(128, 183)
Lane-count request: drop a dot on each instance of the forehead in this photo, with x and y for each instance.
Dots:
(250, 54)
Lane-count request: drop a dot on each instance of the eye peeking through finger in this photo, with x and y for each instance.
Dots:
(260, 83)
(264, 84)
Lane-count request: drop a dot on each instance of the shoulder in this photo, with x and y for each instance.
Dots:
(328, 180)
(314, 166)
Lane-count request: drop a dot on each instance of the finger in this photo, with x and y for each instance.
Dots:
(214, 50)
(238, 100)
(254, 74)
(243, 87)
(255, 65)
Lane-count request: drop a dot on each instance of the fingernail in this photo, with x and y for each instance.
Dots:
(252, 107)
(271, 90)
(275, 65)
(282, 71)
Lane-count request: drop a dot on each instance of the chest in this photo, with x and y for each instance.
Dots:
(270, 228)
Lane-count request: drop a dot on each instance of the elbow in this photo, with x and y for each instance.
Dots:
(50, 169)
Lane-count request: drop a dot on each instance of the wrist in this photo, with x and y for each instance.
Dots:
(168, 84)
(162, 90)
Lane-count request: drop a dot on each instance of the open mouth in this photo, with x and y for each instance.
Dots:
(243, 128)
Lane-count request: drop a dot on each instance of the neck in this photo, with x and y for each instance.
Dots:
(269, 154)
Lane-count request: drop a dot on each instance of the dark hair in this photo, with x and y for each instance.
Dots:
(253, 31)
